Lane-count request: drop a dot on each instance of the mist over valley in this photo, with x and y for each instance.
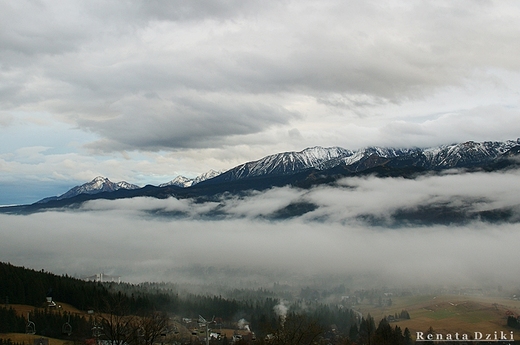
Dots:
(353, 231)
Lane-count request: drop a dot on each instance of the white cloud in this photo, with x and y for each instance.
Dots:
(141, 248)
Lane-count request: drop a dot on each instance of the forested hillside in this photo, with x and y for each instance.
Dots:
(123, 314)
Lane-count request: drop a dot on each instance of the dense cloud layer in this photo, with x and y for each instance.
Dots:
(350, 200)
(140, 249)
(131, 238)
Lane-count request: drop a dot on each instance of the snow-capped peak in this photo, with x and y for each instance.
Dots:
(97, 182)
(126, 185)
(97, 185)
(182, 181)
(206, 176)
(179, 181)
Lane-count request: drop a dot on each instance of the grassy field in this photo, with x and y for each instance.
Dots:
(30, 339)
(22, 309)
(449, 313)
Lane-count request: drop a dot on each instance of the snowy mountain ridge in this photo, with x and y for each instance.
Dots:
(467, 153)
(463, 155)
(286, 163)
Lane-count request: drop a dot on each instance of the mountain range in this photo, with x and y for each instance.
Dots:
(464, 155)
(303, 169)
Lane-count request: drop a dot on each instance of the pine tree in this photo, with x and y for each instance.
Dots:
(383, 334)
(407, 337)
(367, 328)
(353, 333)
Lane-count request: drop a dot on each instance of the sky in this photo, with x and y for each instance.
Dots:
(143, 91)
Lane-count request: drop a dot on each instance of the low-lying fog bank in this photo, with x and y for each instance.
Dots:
(143, 249)
(241, 248)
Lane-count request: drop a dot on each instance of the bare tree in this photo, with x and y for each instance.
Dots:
(152, 327)
(115, 321)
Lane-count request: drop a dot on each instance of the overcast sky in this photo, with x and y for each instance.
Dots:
(147, 90)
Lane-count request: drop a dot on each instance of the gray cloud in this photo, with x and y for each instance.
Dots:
(197, 10)
(218, 70)
(187, 122)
